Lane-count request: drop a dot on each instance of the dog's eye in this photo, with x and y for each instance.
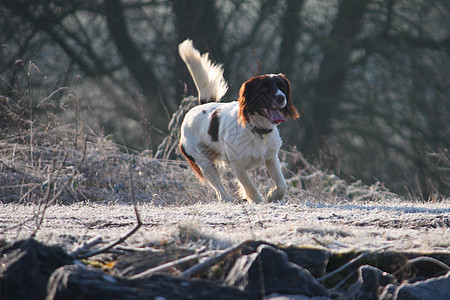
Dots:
(281, 86)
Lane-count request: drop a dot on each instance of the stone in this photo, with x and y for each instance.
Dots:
(74, 282)
(25, 267)
(313, 260)
(370, 284)
(388, 292)
(268, 271)
(434, 288)
(295, 297)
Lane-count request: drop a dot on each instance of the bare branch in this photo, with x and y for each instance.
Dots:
(212, 261)
(431, 260)
(123, 238)
(171, 264)
(351, 262)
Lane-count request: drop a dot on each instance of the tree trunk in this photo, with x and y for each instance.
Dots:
(140, 69)
(326, 92)
(289, 36)
(196, 20)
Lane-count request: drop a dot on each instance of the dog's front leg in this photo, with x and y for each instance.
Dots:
(279, 191)
(251, 193)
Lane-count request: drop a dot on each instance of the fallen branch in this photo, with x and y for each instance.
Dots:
(171, 264)
(87, 245)
(359, 257)
(211, 261)
(431, 260)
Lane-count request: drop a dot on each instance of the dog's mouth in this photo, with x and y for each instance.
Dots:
(274, 115)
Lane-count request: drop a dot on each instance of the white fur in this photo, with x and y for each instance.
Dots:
(208, 76)
(237, 145)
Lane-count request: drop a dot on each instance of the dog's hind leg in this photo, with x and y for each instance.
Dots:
(211, 174)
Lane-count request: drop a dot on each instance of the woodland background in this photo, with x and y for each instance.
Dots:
(370, 78)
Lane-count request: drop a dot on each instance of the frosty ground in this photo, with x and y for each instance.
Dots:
(338, 226)
(82, 190)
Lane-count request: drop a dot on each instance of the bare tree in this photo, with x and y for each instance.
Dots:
(370, 78)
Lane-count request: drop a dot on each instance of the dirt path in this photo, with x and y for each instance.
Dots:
(401, 225)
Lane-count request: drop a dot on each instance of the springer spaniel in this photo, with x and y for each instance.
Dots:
(243, 133)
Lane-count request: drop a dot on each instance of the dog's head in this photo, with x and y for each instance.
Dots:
(267, 96)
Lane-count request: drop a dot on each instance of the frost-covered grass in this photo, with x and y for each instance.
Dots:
(37, 165)
(73, 185)
(216, 225)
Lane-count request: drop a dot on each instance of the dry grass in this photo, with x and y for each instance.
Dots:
(54, 169)
(29, 166)
(38, 159)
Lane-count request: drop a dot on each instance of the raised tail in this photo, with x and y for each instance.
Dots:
(208, 76)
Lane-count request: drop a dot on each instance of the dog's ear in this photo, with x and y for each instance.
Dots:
(245, 99)
(289, 110)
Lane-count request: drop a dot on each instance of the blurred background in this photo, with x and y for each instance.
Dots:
(370, 78)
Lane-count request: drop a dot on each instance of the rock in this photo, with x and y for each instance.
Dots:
(370, 284)
(314, 260)
(25, 267)
(294, 297)
(388, 292)
(434, 288)
(268, 271)
(76, 282)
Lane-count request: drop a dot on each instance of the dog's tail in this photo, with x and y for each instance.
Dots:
(208, 76)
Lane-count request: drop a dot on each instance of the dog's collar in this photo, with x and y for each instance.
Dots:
(260, 131)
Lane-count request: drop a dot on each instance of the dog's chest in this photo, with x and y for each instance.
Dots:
(249, 150)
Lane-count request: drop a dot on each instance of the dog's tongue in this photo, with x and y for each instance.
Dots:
(276, 116)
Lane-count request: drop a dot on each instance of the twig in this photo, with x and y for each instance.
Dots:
(431, 260)
(40, 214)
(52, 94)
(11, 168)
(126, 236)
(359, 257)
(340, 283)
(211, 261)
(171, 264)
(138, 249)
(89, 244)
(47, 202)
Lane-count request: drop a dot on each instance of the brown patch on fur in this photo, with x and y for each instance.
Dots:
(213, 129)
(191, 161)
(244, 94)
(210, 153)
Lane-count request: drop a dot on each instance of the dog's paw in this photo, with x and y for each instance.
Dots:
(255, 199)
(224, 198)
(276, 194)
(251, 198)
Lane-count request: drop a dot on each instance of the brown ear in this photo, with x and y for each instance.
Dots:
(244, 100)
(289, 110)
